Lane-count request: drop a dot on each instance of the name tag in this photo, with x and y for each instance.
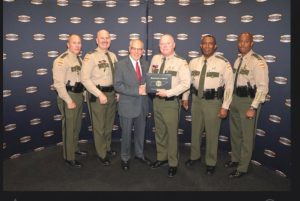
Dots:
(173, 73)
(103, 65)
(195, 73)
(75, 68)
(212, 74)
(244, 72)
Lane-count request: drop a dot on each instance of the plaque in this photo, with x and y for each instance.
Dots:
(156, 81)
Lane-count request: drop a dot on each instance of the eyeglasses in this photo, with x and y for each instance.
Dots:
(136, 49)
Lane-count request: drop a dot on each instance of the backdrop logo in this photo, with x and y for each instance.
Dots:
(113, 36)
(62, 2)
(52, 88)
(6, 93)
(270, 153)
(280, 80)
(42, 71)
(159, 2)
(220, 19)
(57, 117)
(231, 37)
(123, 20)
(208, 2)
(4, 56)
(52, 53)
(260, 132)
(188, 118)
(149, 52)
(39, 36)
(260, 1)
(10, 127)
(274, 119)
(247, 18)
(75, 20)
(82, 141)
(83, 115)
(184, 2)
(90, 128)
(157, 35)
(115, 127)
(31, 89)
(195, 19)
(274, 17)
(45, 104)
(268, 97)
(122, 53)
(11, 37)
(254, 162)
(180, 131)
(170, 19)
(134, 3)
(50, 19)
(223, 138)
(270, 58)
(63, 36)
(15, 156)
(27, 55)
(134, 36)
(288, 102)
(20, 108)
(278, 172)
(88, 37)
(4, 145)
(16, 73)
(39, 149)
(111, 4)
(25, 139)
(35, 121)
(234, 1)
(182, 36)
(285, 38)
(47, 134)
(99, 20)
(24, 18)
(144, 19)
(36, 2)
(258, 38)
(87, 4)
(285, 141)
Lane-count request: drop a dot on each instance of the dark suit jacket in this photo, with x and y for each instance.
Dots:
(131, 104)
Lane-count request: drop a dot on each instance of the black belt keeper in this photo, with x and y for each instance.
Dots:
(77, 88)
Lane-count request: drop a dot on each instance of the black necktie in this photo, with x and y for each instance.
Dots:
(110, 64)
(79, 60)
(201, 81)
(236, 75)
(162, 66)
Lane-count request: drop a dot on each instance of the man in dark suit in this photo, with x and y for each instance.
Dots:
(133, 102)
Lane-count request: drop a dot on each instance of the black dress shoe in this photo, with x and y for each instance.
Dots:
(125, 165)
(105, 161)
(81, 153)
(158, 164)
(172, 171)
(236, 174)
(210, 170)
(111, 153)
(74, 163)
(230, 164)
(144, 160)
(191, 162)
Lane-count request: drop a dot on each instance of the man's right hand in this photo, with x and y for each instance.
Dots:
(185, 104)
(102, 99)
(71, 105)
(142, 90)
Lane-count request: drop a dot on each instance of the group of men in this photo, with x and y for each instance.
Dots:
(215, 87)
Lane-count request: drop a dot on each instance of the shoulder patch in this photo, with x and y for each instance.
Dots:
(256, 56)
(92, 51)
(64, 55)
(221, 57)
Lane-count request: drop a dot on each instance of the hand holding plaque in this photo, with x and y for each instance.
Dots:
(156, 81)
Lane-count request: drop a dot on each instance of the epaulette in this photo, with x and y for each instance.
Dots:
(221, 57)
(179, 57)
(92, 51)
(64, 55)
(256, 56)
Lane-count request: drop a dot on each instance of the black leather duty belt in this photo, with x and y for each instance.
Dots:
(106, 89)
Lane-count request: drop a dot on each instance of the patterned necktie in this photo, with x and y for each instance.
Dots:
(162, 66)
(138, 72)
(201, 81)
(236, 75)
(110, 64)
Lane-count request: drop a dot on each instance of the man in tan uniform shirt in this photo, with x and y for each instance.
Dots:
(97, 77)
(66, 76)
(166, 103)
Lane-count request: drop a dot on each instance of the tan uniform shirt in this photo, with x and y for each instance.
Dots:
(218, 73)
(176, 66)
(66, 67)
(97, 71)
(254, 69)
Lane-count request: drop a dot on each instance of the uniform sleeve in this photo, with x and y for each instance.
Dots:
(184, 81)
(185, 95)
(59, 71)
(229, 82)
(261, 78)
(86, 74)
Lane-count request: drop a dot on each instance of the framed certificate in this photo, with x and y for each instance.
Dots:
(156, 81)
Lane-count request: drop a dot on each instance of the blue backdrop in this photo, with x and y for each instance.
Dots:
(34, 33)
